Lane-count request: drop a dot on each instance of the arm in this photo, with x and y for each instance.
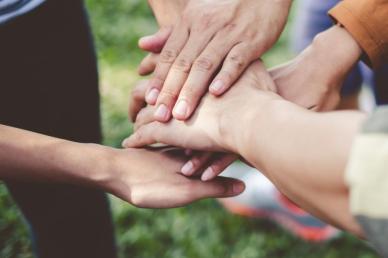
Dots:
(167, 12)
(367, 22)
(314, 78)
(196, 54)
(139, 177)
(302, 152)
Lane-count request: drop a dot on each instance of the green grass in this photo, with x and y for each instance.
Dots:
(201, 230)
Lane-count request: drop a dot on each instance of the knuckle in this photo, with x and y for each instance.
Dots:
(183, 64)
(168, 56)
(206, 20)
(191, 91)
(204, 64)
(168, 95)
(187, 17)
(237, 61)
(249, 34)
(230, 27)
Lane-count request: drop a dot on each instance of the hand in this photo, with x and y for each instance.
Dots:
(206, 128)
(197, 48)
(150, 179)
(211, 164)
(314, 78)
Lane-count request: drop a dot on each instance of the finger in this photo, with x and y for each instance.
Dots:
(195, 163)
(148, 64)
(167, 57)
(234, 65)
(145, 116)
(220, 187)
(149, 134)
(258, 76)
(154, 43)
(137, 100)
(200, 75)
(218, 166)
(180, 69)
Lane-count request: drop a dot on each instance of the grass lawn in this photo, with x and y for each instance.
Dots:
(201, 230)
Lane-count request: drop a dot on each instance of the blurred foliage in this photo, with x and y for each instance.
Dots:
(201, 230)
(117, 26)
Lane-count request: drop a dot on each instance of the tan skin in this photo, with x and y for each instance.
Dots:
(144, 178)
(288, 157)
(196, 48)
(279, 137)
(312, 80)
(141, 177)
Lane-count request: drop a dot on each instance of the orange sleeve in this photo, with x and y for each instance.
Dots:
(367, 22)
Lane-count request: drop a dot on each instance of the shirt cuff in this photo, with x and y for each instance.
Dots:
(343, 14)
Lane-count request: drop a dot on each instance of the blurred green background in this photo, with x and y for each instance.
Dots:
(201, 230)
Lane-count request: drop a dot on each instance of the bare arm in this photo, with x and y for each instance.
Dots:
(26, 155)
(140, 177)
(304, 153)
(167, 12)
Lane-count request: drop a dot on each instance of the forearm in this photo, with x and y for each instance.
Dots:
(30, 156)
(305, 155)
(167, 12)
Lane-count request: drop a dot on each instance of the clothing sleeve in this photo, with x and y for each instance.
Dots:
(367, 178)
(367, 22)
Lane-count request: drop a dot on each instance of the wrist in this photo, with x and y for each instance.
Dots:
(336, 52)
(167, 12)
(83, 164)
(266, 124)
(237, 130)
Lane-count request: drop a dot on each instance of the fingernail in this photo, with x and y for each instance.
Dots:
(162, 112)
(208, 174)
(217, 86)
(152, 96)
(187, 168)
(238, 187)
(180, 109)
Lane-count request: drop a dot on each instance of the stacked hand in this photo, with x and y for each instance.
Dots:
(212, 44)
(207, 129)
(160, 185)
(312, 80)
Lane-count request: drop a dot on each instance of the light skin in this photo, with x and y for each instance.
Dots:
(144, 178)
(302, 152)
(196, 49)
(312, 80)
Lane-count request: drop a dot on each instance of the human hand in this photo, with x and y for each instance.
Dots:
(205, 130)
(197, 48)
(208, 164)
(314, 78)
(151, 179)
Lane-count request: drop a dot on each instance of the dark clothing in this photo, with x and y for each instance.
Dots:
(49, 84)
(311, 18)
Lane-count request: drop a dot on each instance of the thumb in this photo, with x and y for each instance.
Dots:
(220, 187)
(155, 43)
